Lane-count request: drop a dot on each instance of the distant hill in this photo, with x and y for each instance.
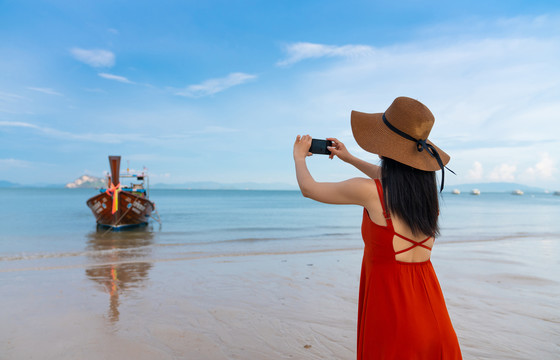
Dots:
(495, 187)
(86, 181)
(8, 184)
(211, 185)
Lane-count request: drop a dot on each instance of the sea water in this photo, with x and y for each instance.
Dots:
(67, 287)
(54, 227)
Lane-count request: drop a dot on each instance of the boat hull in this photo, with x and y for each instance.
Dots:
(133, 211)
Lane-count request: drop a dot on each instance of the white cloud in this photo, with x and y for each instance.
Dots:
(493, 100)
(542, 169)
(94, 57)
(14, 163)
(476, 172)
(545, 167)
(107, 138)
(10, 97)
(116, 78)
(302, 50)
(47, 91)
(118, 138)
(213, 86)
(503, 172)
(17, 124)
(14, 104)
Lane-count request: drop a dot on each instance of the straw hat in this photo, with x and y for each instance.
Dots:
(401, 134)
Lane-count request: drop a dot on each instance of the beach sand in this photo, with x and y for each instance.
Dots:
(502, 297)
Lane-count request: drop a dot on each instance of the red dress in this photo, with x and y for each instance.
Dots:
(401, 311)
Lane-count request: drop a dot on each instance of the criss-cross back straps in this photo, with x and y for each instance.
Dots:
(414, 244)
(386, 214)
(390, 224)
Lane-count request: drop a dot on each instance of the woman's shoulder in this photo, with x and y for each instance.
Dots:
(371, 197)
(368, 182)
(367, 187)
(365, 182)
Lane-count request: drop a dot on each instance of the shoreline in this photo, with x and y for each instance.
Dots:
(501, 296)
(188, 251)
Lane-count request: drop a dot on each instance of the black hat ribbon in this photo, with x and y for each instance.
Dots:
(421, 145)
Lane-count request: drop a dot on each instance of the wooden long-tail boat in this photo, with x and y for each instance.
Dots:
(119, 207)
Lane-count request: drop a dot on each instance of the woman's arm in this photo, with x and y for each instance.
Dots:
(354, 191)
(339, 149)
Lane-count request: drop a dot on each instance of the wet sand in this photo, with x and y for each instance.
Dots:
(502, 297)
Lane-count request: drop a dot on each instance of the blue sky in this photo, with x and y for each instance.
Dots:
(218, 90)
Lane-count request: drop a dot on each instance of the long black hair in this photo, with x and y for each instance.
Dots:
(411, 195)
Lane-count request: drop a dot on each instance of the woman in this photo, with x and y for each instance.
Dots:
(401, 311)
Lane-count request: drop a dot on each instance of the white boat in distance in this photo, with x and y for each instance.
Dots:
(517, 192)
(475, 192)
(456, 192)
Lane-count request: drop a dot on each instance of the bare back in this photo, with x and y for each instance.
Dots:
(408, 247)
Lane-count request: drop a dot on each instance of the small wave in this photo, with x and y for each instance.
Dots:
(185, 257)
(135, 249)
(35, 256)
(471, 238)
(264, 229)
(319, 236)
(42, 256)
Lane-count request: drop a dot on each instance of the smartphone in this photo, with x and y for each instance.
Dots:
(320, 146)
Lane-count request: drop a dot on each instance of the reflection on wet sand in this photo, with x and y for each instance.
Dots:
(121, 268)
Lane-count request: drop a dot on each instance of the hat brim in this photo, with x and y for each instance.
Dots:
(374, 136)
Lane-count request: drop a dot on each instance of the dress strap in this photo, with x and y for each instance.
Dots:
(414, 244)
(386, 214)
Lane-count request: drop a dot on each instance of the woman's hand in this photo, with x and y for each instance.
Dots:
(301, 147)
(354, 191)
(339, 150)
